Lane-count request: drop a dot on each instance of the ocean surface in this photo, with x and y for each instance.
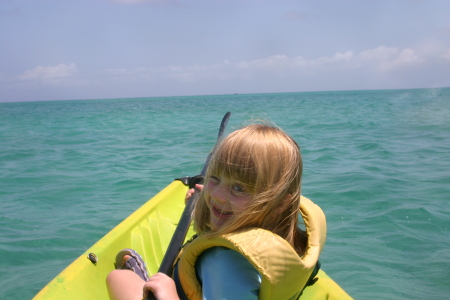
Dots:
(377, 162)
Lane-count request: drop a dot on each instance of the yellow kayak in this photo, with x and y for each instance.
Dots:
(148, 231)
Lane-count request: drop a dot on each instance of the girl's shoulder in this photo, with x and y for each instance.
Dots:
(224, 272)
(224, 259)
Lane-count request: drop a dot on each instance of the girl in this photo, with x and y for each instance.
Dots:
(249, 245)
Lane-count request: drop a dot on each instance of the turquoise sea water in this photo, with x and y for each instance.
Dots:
(377, 162)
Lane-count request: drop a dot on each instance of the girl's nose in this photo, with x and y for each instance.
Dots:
(220, 193)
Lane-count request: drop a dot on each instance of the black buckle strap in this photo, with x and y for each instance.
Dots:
(191, 181)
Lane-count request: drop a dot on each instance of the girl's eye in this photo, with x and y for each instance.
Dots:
(214, 179)
(238, 188)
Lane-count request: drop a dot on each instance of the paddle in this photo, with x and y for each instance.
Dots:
(183, 225)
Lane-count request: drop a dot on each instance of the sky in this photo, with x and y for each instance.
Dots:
(100, 49)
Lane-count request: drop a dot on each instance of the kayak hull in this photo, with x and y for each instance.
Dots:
(148, 231)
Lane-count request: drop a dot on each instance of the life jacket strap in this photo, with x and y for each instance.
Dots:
(180, 290)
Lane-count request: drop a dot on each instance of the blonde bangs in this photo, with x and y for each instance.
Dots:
(235, 159)
(258, 155)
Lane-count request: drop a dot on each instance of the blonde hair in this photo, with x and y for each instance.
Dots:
(268, 162)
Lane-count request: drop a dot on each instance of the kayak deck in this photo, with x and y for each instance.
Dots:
(148, 231)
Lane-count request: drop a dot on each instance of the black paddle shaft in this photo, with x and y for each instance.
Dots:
(179, 235)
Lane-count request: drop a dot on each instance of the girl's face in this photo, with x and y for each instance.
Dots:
(224, 197)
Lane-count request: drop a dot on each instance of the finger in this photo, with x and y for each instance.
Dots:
(188, 195)
(148, 288)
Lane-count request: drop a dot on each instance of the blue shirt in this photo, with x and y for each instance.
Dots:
(226, 274)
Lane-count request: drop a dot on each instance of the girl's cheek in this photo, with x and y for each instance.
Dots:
(241, 202)
(207, 189)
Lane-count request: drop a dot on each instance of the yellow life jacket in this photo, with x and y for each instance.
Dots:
(284, 274)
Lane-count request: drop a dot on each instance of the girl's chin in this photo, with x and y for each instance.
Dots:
(216, 225)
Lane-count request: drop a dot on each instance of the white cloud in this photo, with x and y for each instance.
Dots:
(271, 62)
(380, 54)
(283, 62)
(49, 72)
(378, 59)
(381, 59)
(402, 58)
(337, 57)
(388, 58)
(406, 56)
(141, 74)
(380, 67)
